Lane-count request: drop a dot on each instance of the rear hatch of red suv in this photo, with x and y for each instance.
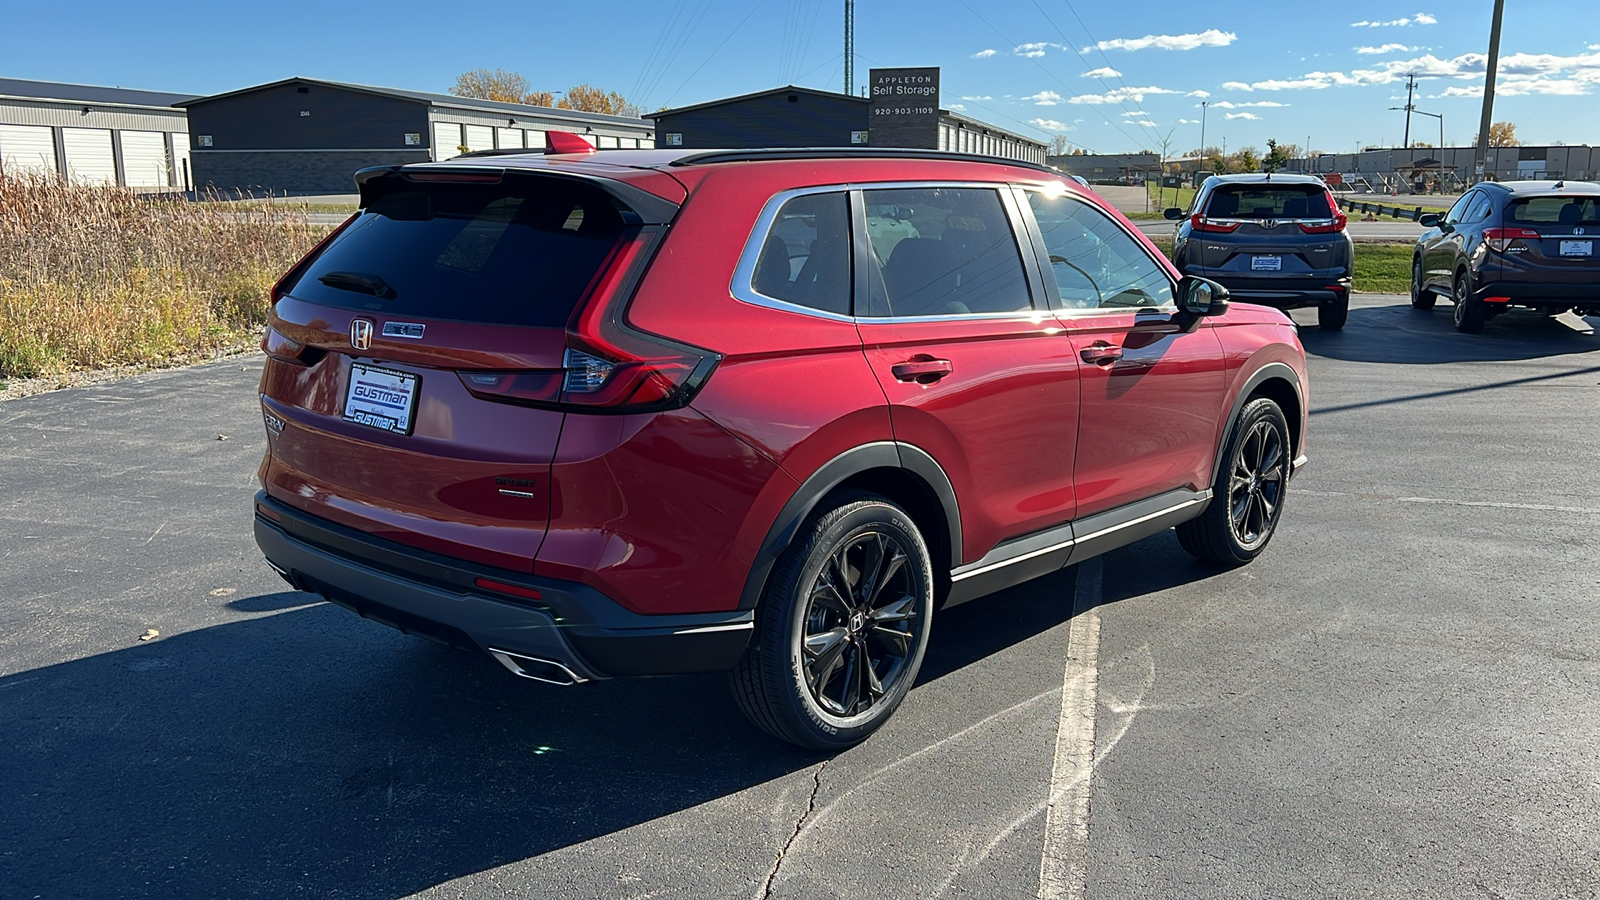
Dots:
(421, 360)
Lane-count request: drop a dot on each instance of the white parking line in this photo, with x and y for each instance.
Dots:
(1487, 504)
(1063, 869)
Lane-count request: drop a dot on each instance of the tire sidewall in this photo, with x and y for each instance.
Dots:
(830, 531)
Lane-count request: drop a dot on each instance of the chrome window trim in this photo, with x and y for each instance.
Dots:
(1131, 233)
(743, 285)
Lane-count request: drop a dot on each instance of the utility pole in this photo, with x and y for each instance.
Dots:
(1488, 90)
(1411, 87)
(1203, 105)
(850, 47)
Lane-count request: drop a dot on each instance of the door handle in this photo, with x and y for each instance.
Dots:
(923, 370)
(1101, 353)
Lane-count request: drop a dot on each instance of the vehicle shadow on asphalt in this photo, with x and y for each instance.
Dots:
(1401, 335)
(307, 753)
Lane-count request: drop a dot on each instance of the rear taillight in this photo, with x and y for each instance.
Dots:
(285, 349)
(606, 366)
(1200, 223)
(293, 275)
(1332, 226)
(1501, 239)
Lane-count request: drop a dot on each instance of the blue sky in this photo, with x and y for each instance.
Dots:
(1110, 80)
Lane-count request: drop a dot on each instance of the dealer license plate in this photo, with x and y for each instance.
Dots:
(1577, 248)
(381, 398)
(1266, 263)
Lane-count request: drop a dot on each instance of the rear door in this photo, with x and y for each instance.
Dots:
(1552, 240)
(1151, 393)
(976, 370)
(385, 410)
(1255, 230)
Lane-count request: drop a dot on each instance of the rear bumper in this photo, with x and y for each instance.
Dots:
(1283, 293)
(1529, 293)
(586, 633)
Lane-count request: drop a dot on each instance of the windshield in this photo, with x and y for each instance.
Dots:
(521, 252)
(1289, 201)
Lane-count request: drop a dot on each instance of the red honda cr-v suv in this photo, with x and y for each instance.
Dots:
(764, 412)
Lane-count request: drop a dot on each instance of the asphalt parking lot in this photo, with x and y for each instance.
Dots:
(1400, 699)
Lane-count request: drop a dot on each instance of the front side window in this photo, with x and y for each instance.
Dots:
(1459, 210)
(805, 257)
(1096, 264)
(942, 252)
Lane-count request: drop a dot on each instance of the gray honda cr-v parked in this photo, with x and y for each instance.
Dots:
(1277, 240)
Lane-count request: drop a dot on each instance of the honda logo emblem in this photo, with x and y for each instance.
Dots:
(1271, 223)
(360, 333)
(1577, 231)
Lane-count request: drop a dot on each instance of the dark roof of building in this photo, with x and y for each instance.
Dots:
(786, 89)
(87, 93)
(435, 100)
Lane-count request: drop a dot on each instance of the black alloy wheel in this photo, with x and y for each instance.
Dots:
(860, 622)
(1421, 297)
(1470, 314)
(1255, 487)
(842, 626)
(1248, 493)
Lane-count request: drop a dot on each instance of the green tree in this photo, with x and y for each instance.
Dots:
(1276, 156)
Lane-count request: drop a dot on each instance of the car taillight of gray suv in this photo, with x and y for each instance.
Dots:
(1276, 240)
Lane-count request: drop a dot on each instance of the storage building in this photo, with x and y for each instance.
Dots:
(308, 136)
(138, 139)
(805, 117)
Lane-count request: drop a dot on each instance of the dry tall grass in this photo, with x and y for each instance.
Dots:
(95, 276)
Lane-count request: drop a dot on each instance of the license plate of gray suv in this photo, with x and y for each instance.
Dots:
(1266, 263)
(1577, 248)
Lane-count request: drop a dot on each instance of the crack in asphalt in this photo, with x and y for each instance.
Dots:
(811, 805)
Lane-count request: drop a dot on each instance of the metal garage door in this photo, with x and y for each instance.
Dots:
(446, 140)
(89, 157)
(507, 138)
(27, 148)
(535, 138)
(181, 175)
(480, 137)
(144, 159)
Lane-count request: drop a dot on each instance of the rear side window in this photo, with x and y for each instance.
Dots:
(805, 257)
(521, 252)
(1264, 201)
(1559, 211)
(942, 252)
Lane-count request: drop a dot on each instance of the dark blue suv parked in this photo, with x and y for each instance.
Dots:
(1276, 240)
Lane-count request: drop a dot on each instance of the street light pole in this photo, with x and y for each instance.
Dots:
(1203, 105)
(1488, 89)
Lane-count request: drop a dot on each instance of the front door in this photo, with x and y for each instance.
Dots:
(1151, 394)
(976, 370)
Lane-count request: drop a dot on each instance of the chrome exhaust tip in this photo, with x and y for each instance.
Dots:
(548, 671)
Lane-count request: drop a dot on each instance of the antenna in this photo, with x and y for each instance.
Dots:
(850, 47)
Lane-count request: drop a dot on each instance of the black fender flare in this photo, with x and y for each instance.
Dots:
(1271, 370)
(877, 455)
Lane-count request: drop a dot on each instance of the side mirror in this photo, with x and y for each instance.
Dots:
(1199, 298)
(1428, 220)
(1173, 213)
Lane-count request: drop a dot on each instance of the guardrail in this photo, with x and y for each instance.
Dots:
(1399, 212)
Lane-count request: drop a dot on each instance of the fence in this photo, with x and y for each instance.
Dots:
(1399, 212)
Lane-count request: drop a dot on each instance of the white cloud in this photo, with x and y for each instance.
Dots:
(1418, 19)
(984, 54)
(1050, 125)
(1034, 50)
(1188, 121)
(1229, 104)
(1119, 95)
(955, 106)
(975, 98)
(1102, 72)
(1201, 94)
(1243, 115)
(1387, 48)
(1146, 123)
(1044, 98)
(1520, 73)
(1209, 38)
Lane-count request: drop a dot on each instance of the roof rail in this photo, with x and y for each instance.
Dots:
(721, 156)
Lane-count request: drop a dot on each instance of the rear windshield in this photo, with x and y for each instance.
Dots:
(516, 253)
(1554, 211)
(1251, 201)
